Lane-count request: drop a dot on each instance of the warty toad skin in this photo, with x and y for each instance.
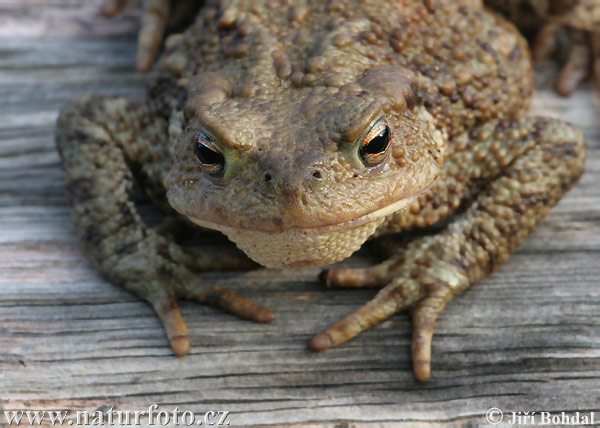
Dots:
(301, 129)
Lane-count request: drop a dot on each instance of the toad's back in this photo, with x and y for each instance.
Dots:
(471, 67)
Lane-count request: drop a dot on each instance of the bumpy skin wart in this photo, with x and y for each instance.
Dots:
(285, 99)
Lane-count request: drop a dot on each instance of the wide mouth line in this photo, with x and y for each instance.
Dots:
(365, 218)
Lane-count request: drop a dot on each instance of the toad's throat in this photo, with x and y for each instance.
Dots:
(316, 246)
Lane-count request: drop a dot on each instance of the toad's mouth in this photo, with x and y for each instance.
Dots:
(307, 246)
(349, 224)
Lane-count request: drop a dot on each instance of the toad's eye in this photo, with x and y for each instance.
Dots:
(376, 144)
(208, 156)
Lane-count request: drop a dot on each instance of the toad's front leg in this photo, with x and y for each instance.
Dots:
(101, 140)
(529, 166)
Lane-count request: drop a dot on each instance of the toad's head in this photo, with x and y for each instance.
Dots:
(301, 176)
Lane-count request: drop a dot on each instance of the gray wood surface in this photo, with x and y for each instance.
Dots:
(526, 339)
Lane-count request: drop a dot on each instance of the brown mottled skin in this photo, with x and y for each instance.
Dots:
(259, 123)
(569, 25)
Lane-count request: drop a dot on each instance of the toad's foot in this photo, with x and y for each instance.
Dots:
(162, 297)
(101, 141)
(529, 166)
(581, 52)
(158, 17)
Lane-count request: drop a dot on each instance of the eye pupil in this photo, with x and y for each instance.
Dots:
(379, 143)
(206, 155)
(376, 144)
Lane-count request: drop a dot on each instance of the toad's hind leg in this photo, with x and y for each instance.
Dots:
(155, 18)
(158, 18)
(153, 27)
(101, 140)
(579, 57)
(531, 165)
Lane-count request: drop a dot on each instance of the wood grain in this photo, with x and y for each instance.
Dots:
(526, 339)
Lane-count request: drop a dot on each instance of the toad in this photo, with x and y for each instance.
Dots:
(300, 130)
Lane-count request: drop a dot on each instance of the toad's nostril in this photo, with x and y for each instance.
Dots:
(268, 177)
(317, 174)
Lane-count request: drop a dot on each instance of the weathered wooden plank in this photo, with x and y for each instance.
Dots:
(525, 339)
(66, 18)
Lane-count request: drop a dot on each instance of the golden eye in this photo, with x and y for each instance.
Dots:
(208, 156)
(376, 144)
